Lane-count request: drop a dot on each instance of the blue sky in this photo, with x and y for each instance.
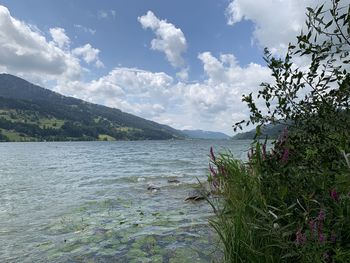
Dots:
(182, 63)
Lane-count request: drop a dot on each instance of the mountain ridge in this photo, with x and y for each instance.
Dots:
(35, 113)
(269, 131)
(201, 134)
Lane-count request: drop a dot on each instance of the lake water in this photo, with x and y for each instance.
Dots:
(88, 201)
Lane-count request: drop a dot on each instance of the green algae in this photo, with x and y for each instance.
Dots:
(183, 255)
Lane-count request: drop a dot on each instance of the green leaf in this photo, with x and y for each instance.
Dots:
(310, 9)
(319, 10)
(329, 24)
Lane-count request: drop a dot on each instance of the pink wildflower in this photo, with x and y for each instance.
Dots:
(212, 171)
(321, 238)
(321, 215)
(300, 238)
(264, 150)
(222, 170)
(334, 195)
(212, 156)
(285, 155)
(312, 226)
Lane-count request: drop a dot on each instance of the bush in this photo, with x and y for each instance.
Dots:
(292, 203)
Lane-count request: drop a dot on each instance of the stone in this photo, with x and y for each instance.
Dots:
(173, 181)
(197, 195)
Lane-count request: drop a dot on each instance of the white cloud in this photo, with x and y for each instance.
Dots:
(85, 29)
(24, 50)
(183, 74)
(136, 91)
(102, 14)
(212, 104)
(59, 37)
(277, 22)
(105, 14)
(169, 39)
(89, 54)
(113, 13)
(225, 83)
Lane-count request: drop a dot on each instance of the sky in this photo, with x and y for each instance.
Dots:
(181, 63)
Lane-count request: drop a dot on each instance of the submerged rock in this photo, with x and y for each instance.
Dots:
(173, 181)
(153, 188)
(100, 231)
(197, 195)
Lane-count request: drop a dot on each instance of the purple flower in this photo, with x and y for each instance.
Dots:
(285, 155)
(322, 215)
(264, 150)
(215, 183)
(222, 170)
(212, 171)
(300, 238)
(312, 226)
(321, 238)
(212, 156)
(334, 195)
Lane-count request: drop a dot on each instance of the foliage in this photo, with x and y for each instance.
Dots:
(291, 203)
(269, 215)
(315, 101)
(3, 138)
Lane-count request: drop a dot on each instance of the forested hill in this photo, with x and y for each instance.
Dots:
(200, 134)
(32, 113)
(268, 131)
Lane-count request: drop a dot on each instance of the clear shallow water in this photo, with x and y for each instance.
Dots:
(88, 201)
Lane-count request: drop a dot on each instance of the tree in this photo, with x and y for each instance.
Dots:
(313, 102)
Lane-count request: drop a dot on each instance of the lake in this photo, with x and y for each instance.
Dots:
(88, 201)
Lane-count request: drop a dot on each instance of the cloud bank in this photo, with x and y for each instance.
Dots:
(25, 51)
(277, 22)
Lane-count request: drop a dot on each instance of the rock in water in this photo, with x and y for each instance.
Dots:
(152, 188)
(173, 181)
(100, 231)
(197, 195)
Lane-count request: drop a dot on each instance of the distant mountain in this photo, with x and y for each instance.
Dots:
(269, 130)
(32, 113)
(199, 134)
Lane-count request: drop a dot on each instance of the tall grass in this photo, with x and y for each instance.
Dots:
(284, 215)
(247, 227)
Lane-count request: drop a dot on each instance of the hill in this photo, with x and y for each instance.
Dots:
(32, 113)
(271, 131)
(199, 134)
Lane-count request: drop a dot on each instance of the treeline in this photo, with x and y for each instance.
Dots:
(74, 131)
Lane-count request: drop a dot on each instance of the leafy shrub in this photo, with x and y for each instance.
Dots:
(291, 203)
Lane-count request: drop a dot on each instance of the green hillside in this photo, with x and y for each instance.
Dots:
(32, 113)
(270, 131)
